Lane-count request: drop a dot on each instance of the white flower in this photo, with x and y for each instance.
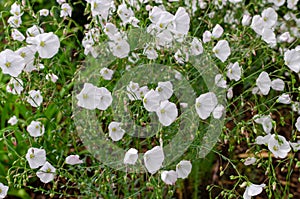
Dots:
(278, 145)
(196, 47)
(133, 91)
(181, 21)
(120, 49)
(295, 145)
(284, 99)
(220, 81)
(15, 21)
(36, 157)
(263, 139)
(60, 1)
(13, 120)
(34, 31)
(91, 96)
(142, 91)
(229, 93)
(11, 63)
(106, 73)
(222, 50)
(36, 129)
(292, 60)
(27, 53)
(150, 53)
(35, 98)
(277, 84)
(125, 13)
(183, 169)
(257, 24)
(167, 113)
(269, 17)
(100, 7)
(249, 161)
(51, 77)
(218, 111)
(44, 12)
(3, 190)
(206, 36)
(116, 133)
(205, 104)
(73, 159)
(297, 124)
(234, 71)
(66, 10)
(292, 4)
(217, 31)
(165, 90)
(265, 121)
(169, 177)
(131, 156)
(17, 35)
(278, 3)
(153, 159)
(46, 173)
(253, 190)
(269, 36)
(105, 98)
(15, 9)
(47, 44)
(246, 19)
(15, 86)
(151, 101)
(263, 82)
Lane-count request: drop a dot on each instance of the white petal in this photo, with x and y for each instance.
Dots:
(153, 159)
(183, 168)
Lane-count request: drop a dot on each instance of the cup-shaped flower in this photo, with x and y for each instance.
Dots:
(263, 82)
(257, 24)
(253, 190)
(165, 90)
(222, 50)
(116, 133)
(169, 177)
(105, 98)
(284, 98)
(167, 113)
(183, 169)
(106, 73)
(15, 86)
(92, 97)
(218, 111)
(11, 63)
(277, 84)
(220, 81)
(153, 159)
(196, 47)
(27, 53)
(13, 120)
(249, 161)
(46, 173)
(47, 44)
(131, 156)
(36, 129)
(3, 190)
(234, 71)
(66, 10)
(120, 49)
(205, 104)
(297, 124)
(151, 101)
(17, 35)
(217, 31)
(292, 60)
(36, 157)
(35, 98)
(278, 145)
(269, 17)
(73, 159)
